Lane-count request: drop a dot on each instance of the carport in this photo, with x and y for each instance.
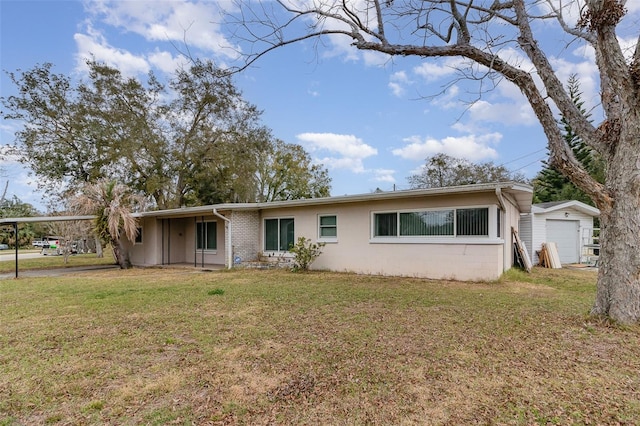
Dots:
(14, 221)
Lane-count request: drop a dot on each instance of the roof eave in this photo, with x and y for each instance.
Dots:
(522, 194)
(573, 204)
(35, 219)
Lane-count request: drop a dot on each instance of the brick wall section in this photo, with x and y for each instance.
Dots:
(245, 235)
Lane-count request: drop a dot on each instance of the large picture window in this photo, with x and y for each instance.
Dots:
(206, 236)
(278, 234)
(432, 223)
(427, 223)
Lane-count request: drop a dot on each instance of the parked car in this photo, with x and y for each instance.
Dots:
(4, 247)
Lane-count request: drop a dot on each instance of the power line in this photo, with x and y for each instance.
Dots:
(524, 156)
(527, 165)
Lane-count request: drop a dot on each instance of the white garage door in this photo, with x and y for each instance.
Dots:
(566, 236)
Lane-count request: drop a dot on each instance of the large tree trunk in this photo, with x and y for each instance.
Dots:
(121, 254)
(99, 252)
(618, 291)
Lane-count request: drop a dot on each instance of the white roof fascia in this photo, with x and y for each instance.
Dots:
(573, 204)
(521, 193)
(34, 219)
(181, 211)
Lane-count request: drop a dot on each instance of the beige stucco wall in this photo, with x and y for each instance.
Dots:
(512, 220)
(171, 241)
(208, 257)
(445, 258)
(141, 254)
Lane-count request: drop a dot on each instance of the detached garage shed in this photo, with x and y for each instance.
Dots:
(569, 224)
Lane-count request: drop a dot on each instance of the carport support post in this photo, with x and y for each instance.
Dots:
(15, 231)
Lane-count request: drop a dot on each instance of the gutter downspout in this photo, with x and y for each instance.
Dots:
(227, 221)
(505, 254)
(500, 198)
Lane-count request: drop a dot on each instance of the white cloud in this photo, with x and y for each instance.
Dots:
(571, 10)
(470, 147)
(345, 151)
(397, 83)
(8, 156)
(340, 45)
(516, 58)
(373, 58)
(195, 23)
(166, 62)
(433, 69)
(587, 73)
(95, 46)
(355, 165)
(20, 183)
(347, 145)
(628, 46)
(632, 6)
(448, 100)
(511, 114)
(384, 175)
(400, 76)
(397, 89)
(418, 170)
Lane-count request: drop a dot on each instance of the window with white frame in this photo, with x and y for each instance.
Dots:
(385, 225)
(138, 239)
(472, 222)
(206, 235)
(426, 223)
(278, 234)
(462, 222)
(328, 227)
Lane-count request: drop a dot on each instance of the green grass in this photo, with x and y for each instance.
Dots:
(165, 346)
(50, 262)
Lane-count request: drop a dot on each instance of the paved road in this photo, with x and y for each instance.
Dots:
(55, 272)
(11, 255)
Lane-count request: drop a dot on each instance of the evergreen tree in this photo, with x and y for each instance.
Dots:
(550, 184)
(14, 207)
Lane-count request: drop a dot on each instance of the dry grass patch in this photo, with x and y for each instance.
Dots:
(151, 346)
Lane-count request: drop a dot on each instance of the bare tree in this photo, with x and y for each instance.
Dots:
(3, 153)
(483, 32)
(444, 170)
(4, 192)
(71, 232)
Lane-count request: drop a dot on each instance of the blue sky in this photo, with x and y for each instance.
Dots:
(367, 119)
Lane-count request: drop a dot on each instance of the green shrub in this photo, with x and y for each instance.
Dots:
(305, 253)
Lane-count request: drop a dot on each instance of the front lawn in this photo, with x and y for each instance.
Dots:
(169, 346)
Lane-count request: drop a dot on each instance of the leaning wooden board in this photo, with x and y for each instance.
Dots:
(522, 250)
(554, 257)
